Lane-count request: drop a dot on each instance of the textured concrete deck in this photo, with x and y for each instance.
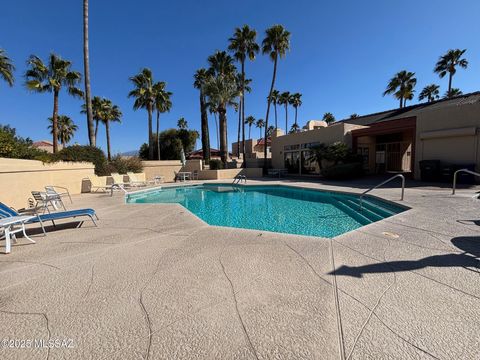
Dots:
(153, 281)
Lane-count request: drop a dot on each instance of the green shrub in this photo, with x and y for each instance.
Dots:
(216, 164)
(171, 143)
(85, 153)
(343, 171)
(16, 147)
(123, 165)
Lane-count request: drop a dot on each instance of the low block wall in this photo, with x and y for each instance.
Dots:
(19, 177)
(166, 168)
(229, 173)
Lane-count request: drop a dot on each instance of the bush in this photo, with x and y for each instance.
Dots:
(171, 143)
(216, 164)
(16, 147)
(84, 153)
(122, 165)
(343, 171)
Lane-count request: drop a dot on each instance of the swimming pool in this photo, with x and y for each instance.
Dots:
(276, 208)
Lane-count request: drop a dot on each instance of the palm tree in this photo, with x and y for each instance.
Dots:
(52, 77)
(294, 128)
(250, 120)
(243, 87)
(354, 116)
(213, 110)
(452, 93)
(163, 104)
(92, 138)
(243, 44)
(273, 98)
(144, 95)
(276, 44)
(448, 64)
(270, 130)
(296, 101)
(201, 76)
(260, 124)
(401, 86)
(96, 108)
(221, 64)
(285, 99)
(110, 113)
(66, 129)
(430, 92)
(222, 90)
(182, 124)
(6, 68)
(408, 95)
(328, 118)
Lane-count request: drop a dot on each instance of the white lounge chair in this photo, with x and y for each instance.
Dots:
(99, 183)
(118, 179)
(58, 191)
(139, 179)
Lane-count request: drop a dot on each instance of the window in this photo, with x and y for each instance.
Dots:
(292, 162)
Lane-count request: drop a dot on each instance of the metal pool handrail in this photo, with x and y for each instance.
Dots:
(239, 178)
(383, 183)
(455, 177)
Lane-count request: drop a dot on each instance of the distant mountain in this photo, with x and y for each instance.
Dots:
(130, 153)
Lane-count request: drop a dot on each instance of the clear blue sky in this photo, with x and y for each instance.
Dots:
(342, 54)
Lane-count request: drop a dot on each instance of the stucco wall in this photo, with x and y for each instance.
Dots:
(166, 168)
(449, 134)
(327, 135)
(19, 177)
(229, 173)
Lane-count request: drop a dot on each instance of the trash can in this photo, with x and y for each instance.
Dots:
(430, 170)
(465, 178)
(447, 171)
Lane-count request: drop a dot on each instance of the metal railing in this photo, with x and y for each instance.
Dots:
(239, 178)
(455, 177)
(383, 183)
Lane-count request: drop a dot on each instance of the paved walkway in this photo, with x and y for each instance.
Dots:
(153, 281)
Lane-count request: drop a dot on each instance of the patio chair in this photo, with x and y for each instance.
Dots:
(139, 179)
(99, 183)
(118, 179)
(7, 225)
(51, 216)
(58, 190)
(195, 175)
(45, 200)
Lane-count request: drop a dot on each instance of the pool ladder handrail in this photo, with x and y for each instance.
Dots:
(383, 183)
(454, 186)
(239, 178)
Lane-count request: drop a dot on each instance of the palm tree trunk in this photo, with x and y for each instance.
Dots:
(275, 109)
(205, 133)
(286, 118)
(249, 132)
(239, 126)
(244, 164)
(296, 110)
(401, 102)
(260, 131)
(107, 130)
(222, 114)
(268, 112)
(450, 77)
(150, 133)
(86, 66)
(55, 121)
(96, 130)
(158, 135)
(218, 133)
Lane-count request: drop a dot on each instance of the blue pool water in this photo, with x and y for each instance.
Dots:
(275, 208)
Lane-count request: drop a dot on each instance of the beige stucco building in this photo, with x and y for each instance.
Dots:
(395, 140)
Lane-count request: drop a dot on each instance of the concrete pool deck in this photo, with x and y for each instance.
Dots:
(154, 281)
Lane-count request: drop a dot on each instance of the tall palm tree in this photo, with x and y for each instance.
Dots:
(96, 108)
(6, 68)
(401, 86)
(66, 129)
(244, 45)
(296, 101)
(222, 90)
(285, 100)
(110, 113)
(448, 64)
(260, 124)
(221, 64)
(273, 98)
(213, 110)
(182, 124)
(162, 105)
(51, 77)
(92, 138)
(430, 92)
(452, 93)
(200, 79)
(243, 87)
(328, 118)
(294, 128)
(144, 95)
(276, 44)
(250, 120)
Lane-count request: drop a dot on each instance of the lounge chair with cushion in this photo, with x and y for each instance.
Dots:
(139, 179)
(50, 216)
(118, 180)
(99, 183)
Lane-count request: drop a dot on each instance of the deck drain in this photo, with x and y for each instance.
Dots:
(392, 235)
